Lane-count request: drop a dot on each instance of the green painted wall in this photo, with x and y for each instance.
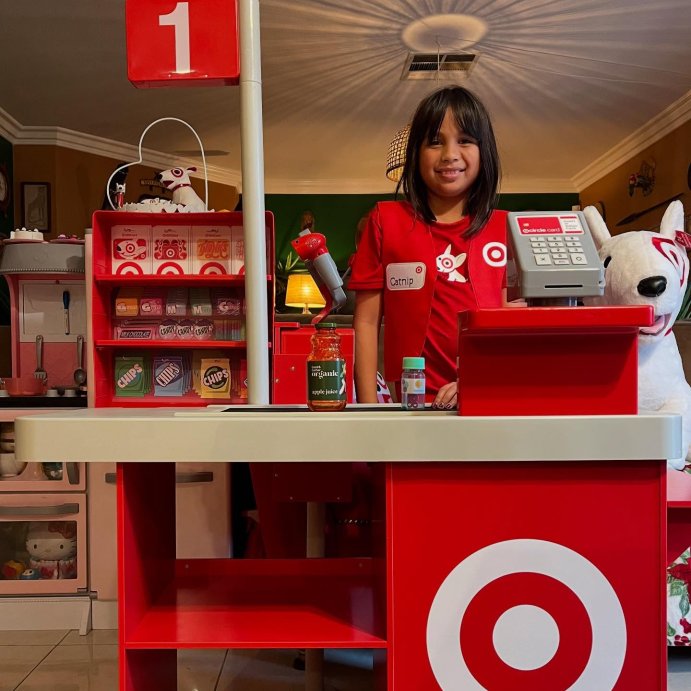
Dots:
(337, 216)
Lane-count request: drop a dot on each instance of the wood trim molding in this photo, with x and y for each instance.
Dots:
(657, 127)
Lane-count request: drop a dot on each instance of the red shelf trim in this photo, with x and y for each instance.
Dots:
(559, 318)
(148, 344)
(187, 279)
(189, 401)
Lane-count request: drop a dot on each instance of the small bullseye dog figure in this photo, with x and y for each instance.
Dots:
(648, 268)
(177, 180)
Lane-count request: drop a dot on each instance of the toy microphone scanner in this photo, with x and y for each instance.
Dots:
(311, 248)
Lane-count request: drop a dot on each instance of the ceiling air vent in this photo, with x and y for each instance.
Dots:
(438, 65)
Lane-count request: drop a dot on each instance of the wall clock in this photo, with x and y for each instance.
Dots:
(5, 190)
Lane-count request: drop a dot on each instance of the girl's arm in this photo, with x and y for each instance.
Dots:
(366, 322)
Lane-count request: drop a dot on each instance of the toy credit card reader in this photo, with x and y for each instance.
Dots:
(552, 259)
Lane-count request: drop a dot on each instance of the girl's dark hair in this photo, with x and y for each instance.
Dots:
(471, 117)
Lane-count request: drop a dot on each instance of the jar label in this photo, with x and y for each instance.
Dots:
(326, 380)
(410, 385)
(412, 393)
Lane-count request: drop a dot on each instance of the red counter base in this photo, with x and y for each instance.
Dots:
(504, 575)
(526, 576)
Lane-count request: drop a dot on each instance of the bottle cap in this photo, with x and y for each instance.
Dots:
(326, 325)
(413, 363)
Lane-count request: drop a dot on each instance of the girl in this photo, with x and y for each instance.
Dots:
(443, 250)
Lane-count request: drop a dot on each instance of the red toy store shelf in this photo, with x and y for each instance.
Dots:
(107, 282)
(248, 603)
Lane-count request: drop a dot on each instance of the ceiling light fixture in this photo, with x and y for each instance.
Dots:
(395, 159)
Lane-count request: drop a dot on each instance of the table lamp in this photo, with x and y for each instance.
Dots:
(302, 291)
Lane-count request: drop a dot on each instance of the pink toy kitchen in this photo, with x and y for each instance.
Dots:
(43, 506)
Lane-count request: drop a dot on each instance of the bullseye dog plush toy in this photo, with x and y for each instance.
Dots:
(177, 180)
(647, 268)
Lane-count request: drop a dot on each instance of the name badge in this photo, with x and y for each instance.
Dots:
(405, 276)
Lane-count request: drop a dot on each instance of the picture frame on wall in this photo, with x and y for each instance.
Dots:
(36, 205)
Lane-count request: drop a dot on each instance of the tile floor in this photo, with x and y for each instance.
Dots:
(66, 661)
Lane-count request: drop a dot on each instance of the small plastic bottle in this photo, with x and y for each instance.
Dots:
(326, 382)
(413, 383)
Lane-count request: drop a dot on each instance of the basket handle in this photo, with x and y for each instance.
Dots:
(133, 163)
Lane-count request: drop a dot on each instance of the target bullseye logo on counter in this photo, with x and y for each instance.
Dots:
(545, 615)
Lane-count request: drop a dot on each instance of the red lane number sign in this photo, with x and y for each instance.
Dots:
(192, 43)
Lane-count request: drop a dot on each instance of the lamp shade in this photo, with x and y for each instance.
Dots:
(395, 159)
(303, 292)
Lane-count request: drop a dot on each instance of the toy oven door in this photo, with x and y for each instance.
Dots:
(58, 518)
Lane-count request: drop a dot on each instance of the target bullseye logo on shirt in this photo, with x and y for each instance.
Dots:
(494, 254)
(557, 624)
(405, 275)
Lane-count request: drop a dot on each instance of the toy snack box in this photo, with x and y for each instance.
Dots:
(131, 249)
(237, 256)
(171, 250)
(211, 250)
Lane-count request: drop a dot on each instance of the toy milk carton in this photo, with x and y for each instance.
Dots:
(237, 251)
(171, 246)
(130, 247)
(211, 250)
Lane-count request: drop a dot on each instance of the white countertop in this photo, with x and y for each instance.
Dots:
(389, 434)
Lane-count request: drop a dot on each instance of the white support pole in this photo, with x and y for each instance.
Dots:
(251, 125)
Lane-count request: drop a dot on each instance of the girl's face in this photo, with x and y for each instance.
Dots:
(449, 165)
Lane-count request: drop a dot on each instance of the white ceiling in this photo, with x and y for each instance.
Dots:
(565, 81)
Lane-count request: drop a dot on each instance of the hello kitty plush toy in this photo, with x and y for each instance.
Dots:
(52, 549)
(647, 268)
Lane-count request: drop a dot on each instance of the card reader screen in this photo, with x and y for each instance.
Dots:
(550, 225)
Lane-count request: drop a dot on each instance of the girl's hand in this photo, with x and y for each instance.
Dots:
(447, 397)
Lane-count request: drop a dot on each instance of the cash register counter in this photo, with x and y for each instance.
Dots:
(512, 552)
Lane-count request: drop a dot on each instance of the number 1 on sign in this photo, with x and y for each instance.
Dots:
(179, 18)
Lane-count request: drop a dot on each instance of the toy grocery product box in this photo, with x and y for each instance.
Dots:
(171, 246)
(131, 249)
(211, 250)
(127, 301)
(237, 251)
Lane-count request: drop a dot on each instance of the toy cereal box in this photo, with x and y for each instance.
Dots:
(171, 245)
(130, 249)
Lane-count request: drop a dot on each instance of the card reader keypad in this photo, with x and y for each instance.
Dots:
(555, 250)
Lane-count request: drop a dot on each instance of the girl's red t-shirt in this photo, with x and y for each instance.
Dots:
(452, 294)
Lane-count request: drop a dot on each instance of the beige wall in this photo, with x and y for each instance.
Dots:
(77, 184)
(672, 156)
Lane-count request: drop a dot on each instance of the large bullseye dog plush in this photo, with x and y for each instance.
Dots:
(647, 268)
